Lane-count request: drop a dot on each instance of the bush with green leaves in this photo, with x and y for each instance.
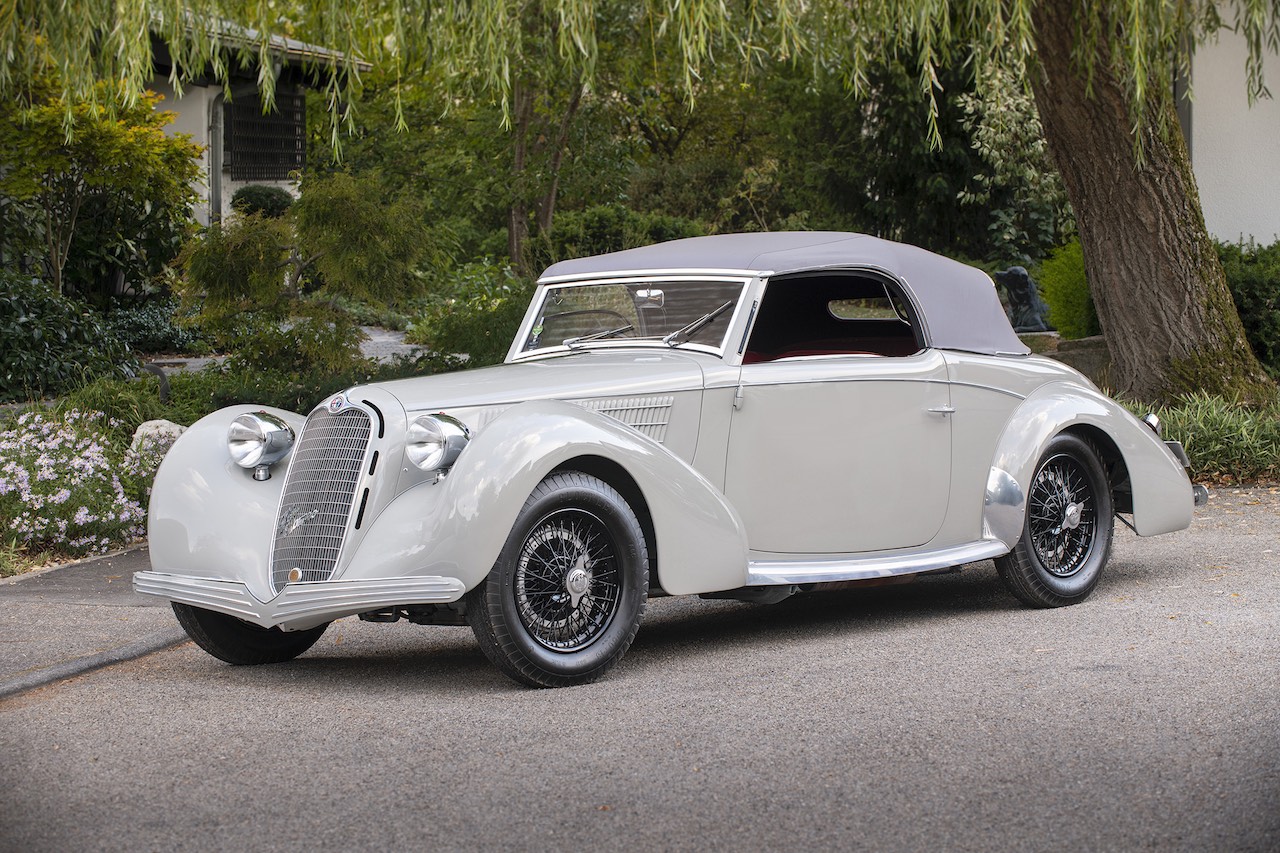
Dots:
(271, 202)
(1066, 290)
(105, 198)
(609, 228)
(60, 486)
(478, 316)
(1253, 276)
(52, 343)
(151, 326)
(1225, 440)
(246, 277)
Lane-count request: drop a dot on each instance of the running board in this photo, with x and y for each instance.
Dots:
(856, 568)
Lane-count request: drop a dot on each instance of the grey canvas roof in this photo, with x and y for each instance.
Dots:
(961, 309)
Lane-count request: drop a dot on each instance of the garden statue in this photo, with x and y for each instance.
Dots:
(1026, 309)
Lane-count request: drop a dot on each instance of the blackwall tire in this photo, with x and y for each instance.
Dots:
(564, 600)
(1066, 535)
(243, 643)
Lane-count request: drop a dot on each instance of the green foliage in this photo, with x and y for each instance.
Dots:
(1253, 276)
(1020, 190)
(246, 277)
(1066, 290)
(361, 244)
(52, 343)
(109, 196)
(236, 266)
(478, 316)
(150, 326)
(270, 202)
(1224, 440)
(317, 338)
(607, 228)
(339, 238)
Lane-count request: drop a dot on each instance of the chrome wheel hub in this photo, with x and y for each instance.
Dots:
(578, 582)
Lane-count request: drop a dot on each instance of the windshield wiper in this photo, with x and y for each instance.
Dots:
(598, 336)
(683, 334)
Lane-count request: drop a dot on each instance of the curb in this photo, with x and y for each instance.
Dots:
(78, 666)
(51, 567)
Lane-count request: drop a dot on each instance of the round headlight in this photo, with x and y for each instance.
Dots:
(256, 439)
(434, 441)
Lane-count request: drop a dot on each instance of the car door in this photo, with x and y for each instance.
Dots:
(841, 454)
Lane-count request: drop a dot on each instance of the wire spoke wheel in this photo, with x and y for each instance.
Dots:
(1061, 515)
(566, 581)
(564, 599)
(1066, 536)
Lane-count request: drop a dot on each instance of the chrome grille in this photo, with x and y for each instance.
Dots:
(318, 492)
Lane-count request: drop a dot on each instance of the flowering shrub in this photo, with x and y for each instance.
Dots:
(142, 461)
(58, 486)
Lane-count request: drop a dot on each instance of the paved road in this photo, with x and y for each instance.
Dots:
(936, 716)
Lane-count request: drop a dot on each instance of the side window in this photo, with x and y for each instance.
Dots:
(832, 314)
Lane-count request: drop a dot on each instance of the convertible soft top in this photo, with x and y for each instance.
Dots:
(961, 309)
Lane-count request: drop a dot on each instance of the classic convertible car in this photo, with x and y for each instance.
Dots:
(744, 416)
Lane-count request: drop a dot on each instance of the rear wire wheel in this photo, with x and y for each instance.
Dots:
(1066, 537)
(564, 599)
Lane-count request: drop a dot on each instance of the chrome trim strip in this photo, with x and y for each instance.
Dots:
(325, 600)
(851, 568)
(978, 385)
(605, 275)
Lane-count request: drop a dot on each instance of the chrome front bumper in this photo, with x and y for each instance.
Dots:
(299, 605)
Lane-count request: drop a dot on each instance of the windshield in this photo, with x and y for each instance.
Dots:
(671, 312)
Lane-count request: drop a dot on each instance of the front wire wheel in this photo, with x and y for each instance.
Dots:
(243, 643)
(565, 597)
(1066, 538)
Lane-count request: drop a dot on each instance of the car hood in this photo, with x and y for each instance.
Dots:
(567, 377)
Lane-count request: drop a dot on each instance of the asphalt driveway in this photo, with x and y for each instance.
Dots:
(939, 715)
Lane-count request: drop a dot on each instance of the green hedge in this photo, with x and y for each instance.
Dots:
(52, 343)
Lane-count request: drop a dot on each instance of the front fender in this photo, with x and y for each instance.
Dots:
(208, 516)
(1162, 497)
(456, 527)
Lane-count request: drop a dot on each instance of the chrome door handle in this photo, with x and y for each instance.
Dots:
(942, 410)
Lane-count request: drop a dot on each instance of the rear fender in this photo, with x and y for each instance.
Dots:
(1162, 497)
(456, 527)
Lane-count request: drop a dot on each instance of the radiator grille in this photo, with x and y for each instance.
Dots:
(649, 415)
(318, 493)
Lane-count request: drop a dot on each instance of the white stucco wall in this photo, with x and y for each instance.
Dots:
(193, 119)
(1235, 148)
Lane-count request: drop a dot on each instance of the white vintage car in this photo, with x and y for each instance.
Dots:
(745, 416)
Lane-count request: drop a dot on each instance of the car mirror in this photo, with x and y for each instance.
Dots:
(651, 298)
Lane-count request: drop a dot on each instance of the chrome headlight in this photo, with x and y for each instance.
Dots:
(434, 441)
(259, 440)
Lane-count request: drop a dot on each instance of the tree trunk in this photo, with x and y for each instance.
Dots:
(518, 210)
(547, 204)
(1157, 284)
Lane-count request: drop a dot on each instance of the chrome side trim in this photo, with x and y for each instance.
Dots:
(305, 603)
(597, 277)
(850, 568)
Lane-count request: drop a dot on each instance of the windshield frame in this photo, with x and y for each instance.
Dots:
(657, 280)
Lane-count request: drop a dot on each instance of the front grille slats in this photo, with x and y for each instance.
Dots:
(318, 492)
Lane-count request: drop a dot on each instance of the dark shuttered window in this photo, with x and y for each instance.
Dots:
(265, 147)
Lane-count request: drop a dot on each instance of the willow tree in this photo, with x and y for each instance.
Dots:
(1101, 73)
